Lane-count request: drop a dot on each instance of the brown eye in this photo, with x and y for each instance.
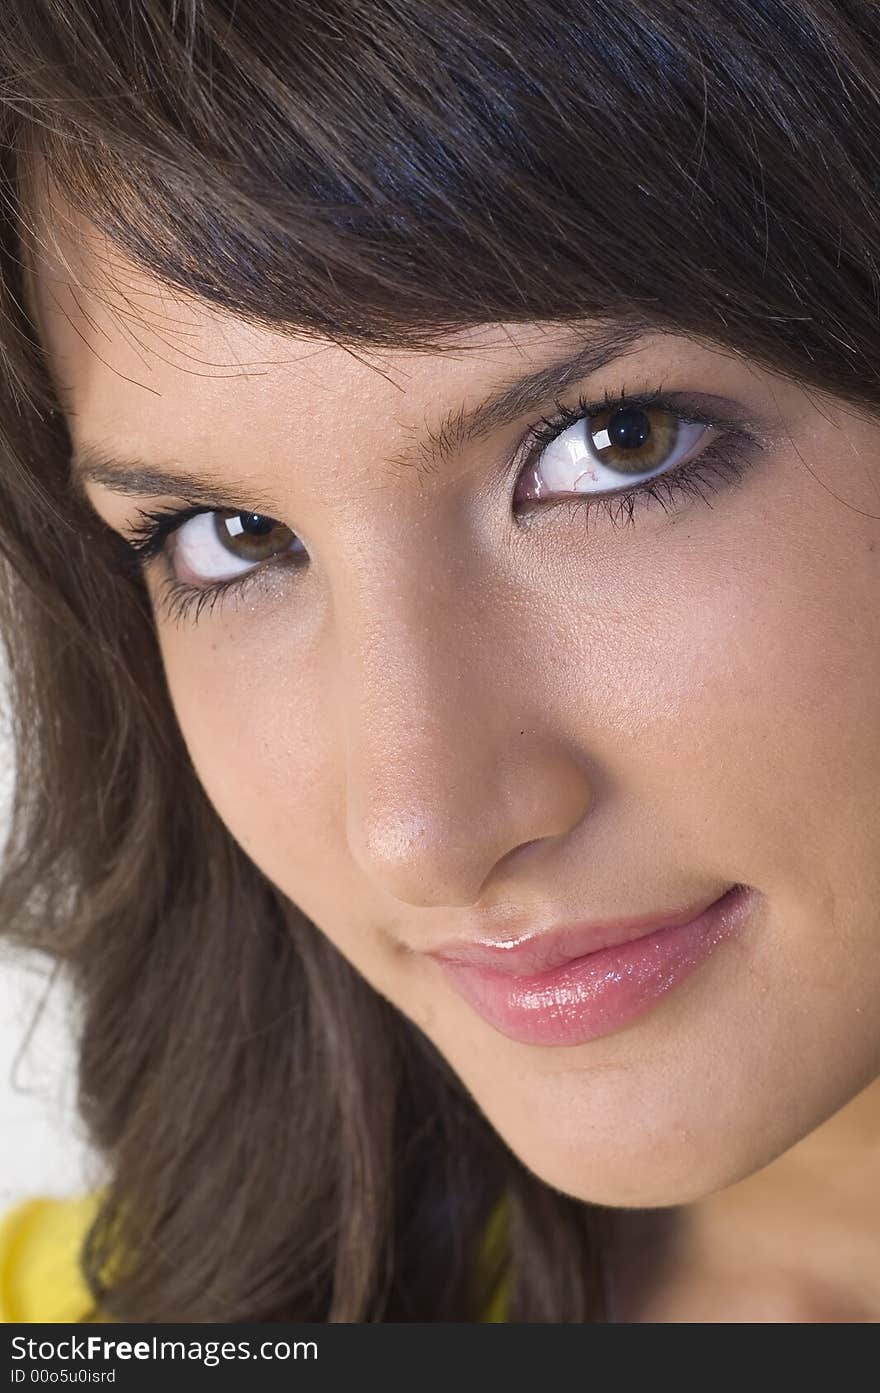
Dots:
(606, 449)
(633, 439)
(220, 544)
(251, 536)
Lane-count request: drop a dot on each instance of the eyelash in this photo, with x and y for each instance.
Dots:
(711, 469)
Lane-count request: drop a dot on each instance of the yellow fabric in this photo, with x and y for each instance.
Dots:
(40, 1243)
(492, 1246)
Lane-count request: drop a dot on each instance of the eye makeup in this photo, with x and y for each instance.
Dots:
(152, 537)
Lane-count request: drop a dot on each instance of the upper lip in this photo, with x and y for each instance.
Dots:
(540, 951)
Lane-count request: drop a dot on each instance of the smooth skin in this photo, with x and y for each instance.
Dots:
(449, 721)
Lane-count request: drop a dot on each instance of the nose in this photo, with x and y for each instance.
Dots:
(449, 768)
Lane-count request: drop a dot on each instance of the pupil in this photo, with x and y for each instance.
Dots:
(629, 428)
(255, 523)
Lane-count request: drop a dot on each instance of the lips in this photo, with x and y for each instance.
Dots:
(533, 953)
(575, 996)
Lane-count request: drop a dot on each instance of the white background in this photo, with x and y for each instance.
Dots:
(42, 1149)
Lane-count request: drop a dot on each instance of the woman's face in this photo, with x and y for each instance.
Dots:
(440, 707)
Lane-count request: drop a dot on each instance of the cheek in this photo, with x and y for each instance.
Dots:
(745, 708)
(792, 671)
(260, 737)
(257, 731)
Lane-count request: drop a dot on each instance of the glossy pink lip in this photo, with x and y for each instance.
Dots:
(579, 982)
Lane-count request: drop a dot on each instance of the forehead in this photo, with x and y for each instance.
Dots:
(134, 359)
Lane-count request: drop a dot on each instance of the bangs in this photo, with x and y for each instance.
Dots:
(388, 173)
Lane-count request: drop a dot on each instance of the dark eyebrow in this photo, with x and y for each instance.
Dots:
(457, 429)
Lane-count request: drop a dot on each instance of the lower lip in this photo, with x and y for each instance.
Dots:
(603, 991)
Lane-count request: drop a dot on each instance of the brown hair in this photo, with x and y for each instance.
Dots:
(283, 1143)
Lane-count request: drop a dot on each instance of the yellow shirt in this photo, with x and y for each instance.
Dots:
(40, 1242)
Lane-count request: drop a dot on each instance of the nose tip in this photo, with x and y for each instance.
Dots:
(421, 859)
(448, 854)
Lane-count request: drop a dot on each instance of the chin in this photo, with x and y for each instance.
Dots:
(634, 1188)
(652, 1173)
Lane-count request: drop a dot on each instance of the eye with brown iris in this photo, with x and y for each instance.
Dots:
(255, 536)
(619, 437)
